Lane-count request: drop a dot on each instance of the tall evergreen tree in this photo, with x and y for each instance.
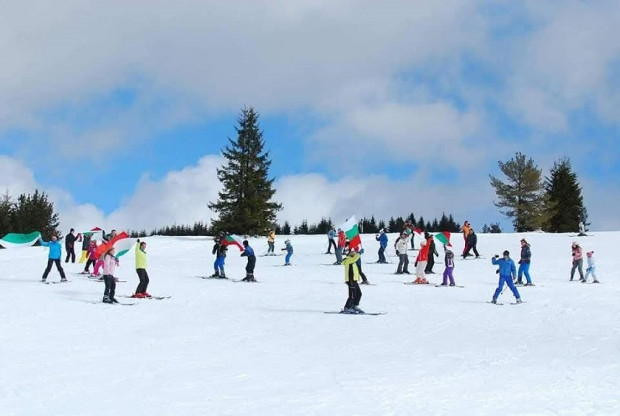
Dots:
(6, 210)
(33, 212)
(565, 202)
(522, 197)
(244, 205)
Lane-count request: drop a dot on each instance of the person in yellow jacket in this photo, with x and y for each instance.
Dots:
(271, 241)
(141, 270)
(351, 278)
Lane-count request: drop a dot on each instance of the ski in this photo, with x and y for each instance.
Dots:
(361, 313)
(59, 281)
(214, 277)
(245, 281)
(118, 303)
(498, 303)
(417, 284)
(516, 303)
(148, 297)
(117, 281)
(448, 286)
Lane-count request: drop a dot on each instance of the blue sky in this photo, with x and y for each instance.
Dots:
(119, 112)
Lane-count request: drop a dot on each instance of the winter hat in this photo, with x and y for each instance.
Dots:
(506, 253)
(245, 243)
(589, 253)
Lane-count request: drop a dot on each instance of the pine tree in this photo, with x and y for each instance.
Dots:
(522, 197)
(565, 202)
(33, 212)
(6, 210)
(244, 204)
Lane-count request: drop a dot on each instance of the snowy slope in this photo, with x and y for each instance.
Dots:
(225, 348)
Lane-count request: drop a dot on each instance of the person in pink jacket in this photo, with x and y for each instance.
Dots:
(109, 266)
(577, 261)
(91, 254)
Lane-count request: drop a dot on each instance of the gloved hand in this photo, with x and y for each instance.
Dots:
(416, 264)
(397, 253)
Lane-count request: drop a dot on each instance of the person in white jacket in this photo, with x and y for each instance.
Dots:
(401, 245)
(591, 269)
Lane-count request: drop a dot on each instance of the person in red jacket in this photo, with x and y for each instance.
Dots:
(420, 263)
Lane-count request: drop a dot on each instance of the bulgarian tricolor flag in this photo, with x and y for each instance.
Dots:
(352, 232)
(13, 240)
(444, 238)
(123, 245)
(233, 240)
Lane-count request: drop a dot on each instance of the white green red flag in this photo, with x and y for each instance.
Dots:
(352, 232)
(15, 240)
(233, 240)
(444, 238)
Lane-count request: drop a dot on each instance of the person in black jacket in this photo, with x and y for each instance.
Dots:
(432, 252)
(472, 240)
(70, 240)
(219, 249)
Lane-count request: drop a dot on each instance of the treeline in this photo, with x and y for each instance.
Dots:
(366, 225)
(28, 213)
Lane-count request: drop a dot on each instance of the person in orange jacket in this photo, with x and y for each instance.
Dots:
(420, 263)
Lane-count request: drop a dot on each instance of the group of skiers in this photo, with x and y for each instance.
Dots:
(105, 259)
(346, 255)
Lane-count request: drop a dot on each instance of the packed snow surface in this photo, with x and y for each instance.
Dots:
(217, 347)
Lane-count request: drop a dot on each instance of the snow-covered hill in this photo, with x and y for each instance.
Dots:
(224, 348)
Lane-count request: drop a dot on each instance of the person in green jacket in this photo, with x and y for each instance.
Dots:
(141, 270)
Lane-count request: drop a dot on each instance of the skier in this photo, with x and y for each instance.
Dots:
(219, 249)
(91, 254)
(359, 250)
(420, 263)
(472, 240)
(524, 264)
(400, 245)
(249, 268)
(382, 238)
(465, 229)
(432, 252)
(577, 261)
(53, 258)
(342, 240)
(70, 240)
(86, 238)
(289, 252)
(591, 269)
(410, 229)
(109, 266)
(448, 271)
(507, 273)
(331, 241)
(271, 241)
(351, 278)
(141, 271)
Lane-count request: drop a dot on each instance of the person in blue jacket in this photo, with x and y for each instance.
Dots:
(249, 268)
(507, 272)
(289, 252)
(53, 258)
(331, 239)
(382, 238)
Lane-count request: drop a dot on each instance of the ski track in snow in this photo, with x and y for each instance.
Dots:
(224, 349)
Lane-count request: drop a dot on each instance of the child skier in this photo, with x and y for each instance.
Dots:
(420, 263)
(289, 252)
(507, 272)
(109, 266)
(524, 264)
(141, 271)
(53, 258)
(249, 268)
(449, 262)
(382, 238)
(91, 254)
(351, 278)
(219, 249)
(591, 269)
